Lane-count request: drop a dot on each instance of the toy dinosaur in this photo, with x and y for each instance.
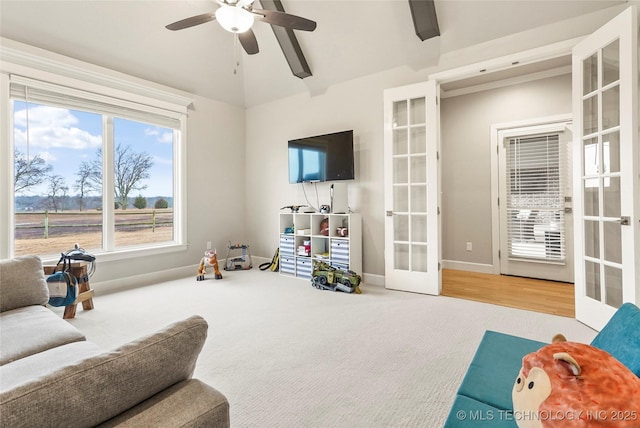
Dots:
(210, 259)
(294, 208)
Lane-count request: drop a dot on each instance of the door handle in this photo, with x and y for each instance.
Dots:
(625, 220)
(389, 213)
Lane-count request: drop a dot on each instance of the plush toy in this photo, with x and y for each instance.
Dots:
(571, 385)
(210, 259)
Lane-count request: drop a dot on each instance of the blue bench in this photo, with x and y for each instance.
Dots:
(484, 397)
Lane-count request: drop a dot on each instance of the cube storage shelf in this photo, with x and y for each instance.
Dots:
(302, 242)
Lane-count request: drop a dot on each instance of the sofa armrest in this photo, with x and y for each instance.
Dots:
(101, 387)
(190, 403)
(22, 283)
(621, 337)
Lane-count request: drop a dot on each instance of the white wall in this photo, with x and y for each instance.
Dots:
(466, 157)
(353, 105)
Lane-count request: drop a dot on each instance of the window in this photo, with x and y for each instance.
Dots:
(535, 201)
(94, 170)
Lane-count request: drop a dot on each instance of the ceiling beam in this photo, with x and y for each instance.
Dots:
(424, 17)
(288, 43)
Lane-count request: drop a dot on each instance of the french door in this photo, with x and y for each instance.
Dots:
(606, 188)
(412, 224)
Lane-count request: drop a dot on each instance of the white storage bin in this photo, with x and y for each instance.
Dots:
(287, 244)
(303, 267)
(287, 265)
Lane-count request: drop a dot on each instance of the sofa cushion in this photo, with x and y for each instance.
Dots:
(621, 337)
(45, 363)
(22, 283)
(32, 329)
(101, 387)
(190, 403)
(495, 367)
(468, 412)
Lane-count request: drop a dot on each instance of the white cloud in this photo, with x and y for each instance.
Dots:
(51, 127)
(163, 137)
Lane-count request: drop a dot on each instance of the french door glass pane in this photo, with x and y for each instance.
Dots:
(418, 112)
(613, 281)
(612, 242)
(611, 152)
(592, 239)
(611, 195)
(590, 120)
(418, 169)
(400, 114)
(592, 280)
(400, 199)
(418, 140)
(57, 186)
(419, 258)
(611, 63)
(401, 227)
(590, 74)
(401, 256)
(611, 108)
(143, 179)
(418, 199)
(400, 142)
(419, 228)
(400, 170)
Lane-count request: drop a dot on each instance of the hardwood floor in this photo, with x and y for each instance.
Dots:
(549, 297)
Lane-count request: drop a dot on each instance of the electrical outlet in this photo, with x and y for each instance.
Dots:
(469, 246)
(208, 245)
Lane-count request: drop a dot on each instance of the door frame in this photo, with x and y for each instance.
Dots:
(499, 131)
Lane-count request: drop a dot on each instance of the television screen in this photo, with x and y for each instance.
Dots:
(326, 157)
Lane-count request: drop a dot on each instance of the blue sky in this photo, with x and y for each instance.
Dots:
(64, 138)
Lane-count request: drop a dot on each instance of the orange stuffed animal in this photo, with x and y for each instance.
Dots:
(573, 385)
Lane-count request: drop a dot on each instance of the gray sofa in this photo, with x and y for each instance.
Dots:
(51, 376)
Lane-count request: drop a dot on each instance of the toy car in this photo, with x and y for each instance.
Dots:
(327, 277)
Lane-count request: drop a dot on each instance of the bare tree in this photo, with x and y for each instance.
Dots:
(29, 173)
(86, 182)
(57, 191)
(130, 169)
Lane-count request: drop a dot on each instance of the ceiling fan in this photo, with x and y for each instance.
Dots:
(237, 16)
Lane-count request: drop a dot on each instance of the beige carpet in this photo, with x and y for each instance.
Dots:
(288, 355)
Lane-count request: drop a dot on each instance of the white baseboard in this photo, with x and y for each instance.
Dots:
(122, 284)
(372, 279)
(467, 266)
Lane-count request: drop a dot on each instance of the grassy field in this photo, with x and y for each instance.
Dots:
(37, 233)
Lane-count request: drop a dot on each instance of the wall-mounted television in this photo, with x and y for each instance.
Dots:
(326, 157)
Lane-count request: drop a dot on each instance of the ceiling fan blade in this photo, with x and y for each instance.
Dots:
(191, 22)
(286, 20)
(249, 42)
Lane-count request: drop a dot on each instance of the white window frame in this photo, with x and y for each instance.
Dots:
(22, 60)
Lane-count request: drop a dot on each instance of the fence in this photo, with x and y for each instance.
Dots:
(45, 224)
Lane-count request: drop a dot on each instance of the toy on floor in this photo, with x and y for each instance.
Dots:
(326, 277)
(210, 259)
(571, 385)
(241, 262)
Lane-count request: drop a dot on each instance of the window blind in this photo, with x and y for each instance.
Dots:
(40, 92)
(535, 200)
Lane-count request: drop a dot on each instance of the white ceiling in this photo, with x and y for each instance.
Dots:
(353, 38)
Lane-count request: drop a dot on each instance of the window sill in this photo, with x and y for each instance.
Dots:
(129, 253)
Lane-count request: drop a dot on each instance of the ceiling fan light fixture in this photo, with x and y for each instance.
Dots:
(234, 19)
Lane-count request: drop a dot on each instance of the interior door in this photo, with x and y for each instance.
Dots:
(536, 227)
(606, 189)
(412, 225)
